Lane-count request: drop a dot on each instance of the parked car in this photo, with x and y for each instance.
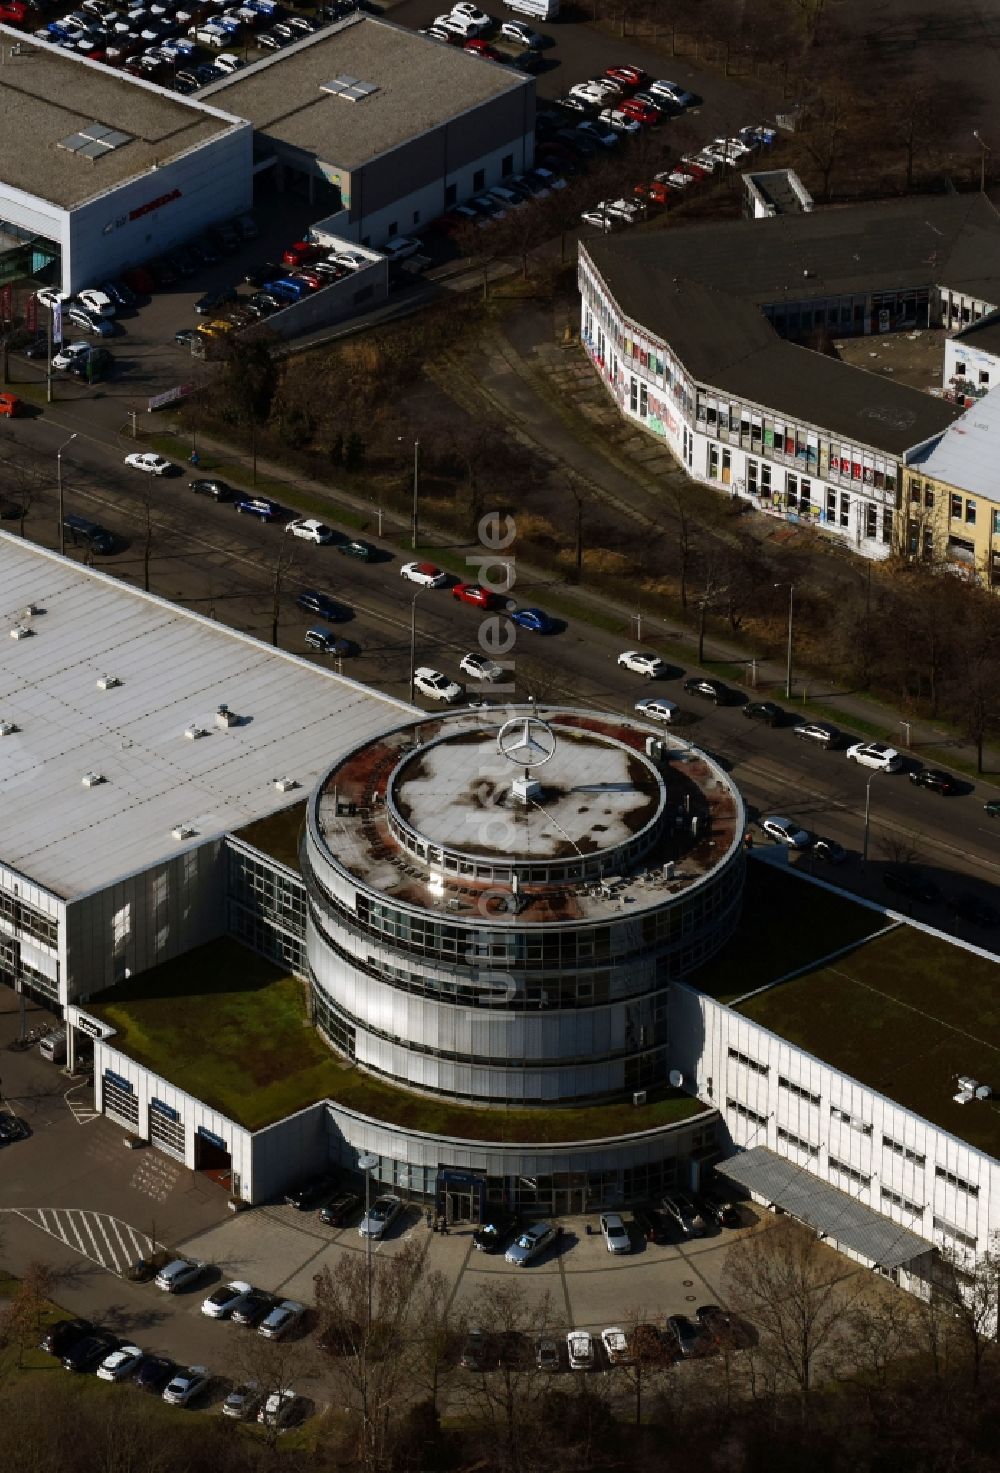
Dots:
(86, 1353)
(528, 1245)
(828, 850)
(242, 1402)
(689, 1337)
(495, 1229)
(616, 1346)
(59, 1337)
(534, 620)
(380, 1216)
(311, 1192)
(876, 755)
(580, 1349)
(934, 779)
(785, 831)
(121, 1364)
(475, 1350)
(616, 1235)
(684, 1214)
(475, 594)
(722, 1328)
(765, 711)
(222, 1301)
(339, 1212)
(480, 667)
(314, 602)
(651, 1224)
(282, 1318)
(547, 1357)
(969, 907)
(672, 93)
(820, 733)
(218, 490)
(279, 1409)
(357, 548)
(150, 463)
(708, 689)
(180, 1274)
(992, 808)
(326, 642)
(252, 1308)
(521, 35)
(185, 1386)
(154, 1373)
(435, 685)
(426, 574)
(718, 1209)
(651, 666)
(657, 708)
(260, 506)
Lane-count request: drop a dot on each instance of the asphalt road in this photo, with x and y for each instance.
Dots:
(214, 561)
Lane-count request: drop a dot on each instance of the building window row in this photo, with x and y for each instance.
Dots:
(895, 1199)
(906, 1152)
(959, 1182)
(27, 920)
(790, 1139)
(851, 1172)
(948, 1230)
(963, 509)
(846, 1118)
(746, 1112)
(799, 1090)
(745, 1059)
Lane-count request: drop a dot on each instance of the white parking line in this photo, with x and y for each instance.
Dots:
(74, 1226)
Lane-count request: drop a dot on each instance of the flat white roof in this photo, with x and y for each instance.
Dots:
(176, 668)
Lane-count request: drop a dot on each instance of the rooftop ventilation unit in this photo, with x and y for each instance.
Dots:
(286, 784)
(7, 728)
(30, 611)
(20, 631)
(226, 718)
(638, 1097)
(183, 831)
(107, 682)
(965, 1081)
(193, 732)
(984, 1092)
(963, 1097)
(350, 88)
(93, 779)
(668, 869)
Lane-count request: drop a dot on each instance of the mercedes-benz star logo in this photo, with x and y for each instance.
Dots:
(527, 741)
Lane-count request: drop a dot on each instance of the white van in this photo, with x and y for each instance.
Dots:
(53, 1046)
(655, 708)
(539, 9)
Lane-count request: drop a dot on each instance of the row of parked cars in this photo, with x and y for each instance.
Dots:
(85, 1347)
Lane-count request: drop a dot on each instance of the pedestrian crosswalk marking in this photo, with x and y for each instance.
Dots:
(113, 1244)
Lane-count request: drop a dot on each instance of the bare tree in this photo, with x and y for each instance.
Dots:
(505, 1393)
(282, 566)
(271, 1367)
(796, 1291)
(969, 1287)
(23, 1319)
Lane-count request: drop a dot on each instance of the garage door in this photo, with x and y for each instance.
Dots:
(119, 1099)
(166, 1129)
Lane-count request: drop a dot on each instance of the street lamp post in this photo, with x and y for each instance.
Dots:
(788, 651)
(868, 811)
(59, 486)
(413, 638)
(415, 521)
(367, 1163)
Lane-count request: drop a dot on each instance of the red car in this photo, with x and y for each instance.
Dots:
(641, 111)
(311, 278)
(13, 13)
(299, 253)
(483, 49)
(655, 193)
(472, 593)
(629, 76)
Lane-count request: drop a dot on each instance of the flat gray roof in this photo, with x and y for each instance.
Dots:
(967, 454)
(176, 668)
(420, 84)
(833, 1213)
(48, 94)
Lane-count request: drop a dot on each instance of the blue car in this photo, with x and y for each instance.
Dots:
(322, 604)
(259, 506)
(533, 619)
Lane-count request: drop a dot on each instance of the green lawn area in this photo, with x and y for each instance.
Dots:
(787, 923)
(905, 1013)
(278, 834)
(231, 1029)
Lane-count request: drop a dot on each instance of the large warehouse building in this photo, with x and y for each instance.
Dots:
(378, 127)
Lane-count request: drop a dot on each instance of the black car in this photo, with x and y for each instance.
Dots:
(270, 271)
(120, 294)
(154, 1373)
(218, 490)
(340, 1211)
(64, 1334)
(477, 1353)
(320, 603)
(935, 779)
(720, 1210)
(821, 733)
(12, 1128)
(992, 808)
(184, 336)
(651, 1224)
(162, 272)
(689, 1337)
(721, 1328)
(496, 1229)
(708, 689)
(828, 850)
(911, 884)
(255, 1307)
(765, 711)
(94, 366)
(312, 1192)
(212, 301)
(85, 1354)
(968, 907)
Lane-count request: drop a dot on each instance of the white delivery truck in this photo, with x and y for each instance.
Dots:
(537, 9)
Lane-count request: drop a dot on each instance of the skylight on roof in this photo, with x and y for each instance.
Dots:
(94, 141)
(350, 88)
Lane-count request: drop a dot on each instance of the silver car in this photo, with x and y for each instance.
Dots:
(179, 1274)
(382, 1212)
(529, 1244)
(281, 1319)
